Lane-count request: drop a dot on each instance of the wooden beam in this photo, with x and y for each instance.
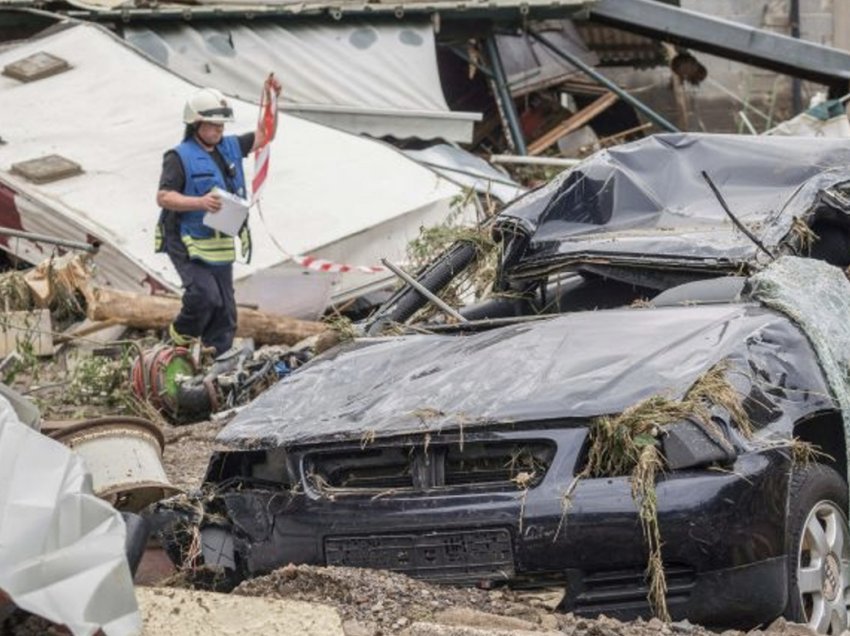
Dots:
(572, 123)
(618, 138)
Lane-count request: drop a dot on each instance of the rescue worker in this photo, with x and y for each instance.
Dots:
(203, 257)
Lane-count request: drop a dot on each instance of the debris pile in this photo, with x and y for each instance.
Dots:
(450, 446)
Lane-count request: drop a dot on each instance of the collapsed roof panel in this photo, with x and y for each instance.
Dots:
(468, 170)
(530, 66)
(379, 79)
(456, 9)
(615, 47)
(329, 193)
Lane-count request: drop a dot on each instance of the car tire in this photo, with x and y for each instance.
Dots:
(818, 550)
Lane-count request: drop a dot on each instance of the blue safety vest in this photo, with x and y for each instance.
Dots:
(202, 174)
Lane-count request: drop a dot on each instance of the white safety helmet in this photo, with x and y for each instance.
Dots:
(209, 105)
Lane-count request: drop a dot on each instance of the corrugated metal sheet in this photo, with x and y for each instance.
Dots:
(615, 47)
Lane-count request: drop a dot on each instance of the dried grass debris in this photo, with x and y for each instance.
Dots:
(628, 445)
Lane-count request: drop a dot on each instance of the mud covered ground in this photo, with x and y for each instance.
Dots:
(187, 452)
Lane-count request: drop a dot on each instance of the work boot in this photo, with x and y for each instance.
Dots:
(177, 339)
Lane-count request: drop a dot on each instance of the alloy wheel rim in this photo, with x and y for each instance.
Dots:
(823, 569)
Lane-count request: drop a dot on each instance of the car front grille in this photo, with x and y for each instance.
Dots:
(492, 463)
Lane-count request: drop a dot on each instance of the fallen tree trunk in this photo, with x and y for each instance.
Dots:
(156, 312)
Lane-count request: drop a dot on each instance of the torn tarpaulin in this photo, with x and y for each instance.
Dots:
(546, 370)
(61, 548)
(646, 200)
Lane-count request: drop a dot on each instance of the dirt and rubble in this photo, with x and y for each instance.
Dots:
(381, 603)
(187, 452)
(376, 603)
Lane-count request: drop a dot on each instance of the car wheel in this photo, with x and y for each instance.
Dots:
(818, 550)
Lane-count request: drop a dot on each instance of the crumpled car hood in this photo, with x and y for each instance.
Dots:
(571, 366)
(647, 200)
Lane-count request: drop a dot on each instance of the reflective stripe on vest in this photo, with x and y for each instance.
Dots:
(215, 250)
(202, 175)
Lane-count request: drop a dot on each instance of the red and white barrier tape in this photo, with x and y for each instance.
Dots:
(267, 121)
(320, 265)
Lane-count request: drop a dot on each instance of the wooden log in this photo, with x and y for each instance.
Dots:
(572, 123)
(156, 312)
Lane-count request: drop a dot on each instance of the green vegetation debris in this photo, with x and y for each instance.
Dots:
(341, 326)
(802, 237)
(100, 380)
(476, 281)
(15, 292)
(628, 445)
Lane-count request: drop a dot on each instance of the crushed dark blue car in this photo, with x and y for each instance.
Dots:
(651, 411)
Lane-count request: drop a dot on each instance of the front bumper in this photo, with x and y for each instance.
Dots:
(722, 534)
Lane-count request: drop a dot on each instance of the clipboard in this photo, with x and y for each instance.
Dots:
(230, 218)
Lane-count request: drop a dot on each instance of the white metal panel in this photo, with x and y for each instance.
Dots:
(353, 75)
(468, 170)
(115, 113)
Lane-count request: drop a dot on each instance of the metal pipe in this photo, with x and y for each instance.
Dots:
(475, 175)
(535, 161)
(43, 238)
(407, 278)
(743, 115)
(504, 95)
(611, 86)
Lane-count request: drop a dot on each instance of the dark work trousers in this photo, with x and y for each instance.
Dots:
(209, 305)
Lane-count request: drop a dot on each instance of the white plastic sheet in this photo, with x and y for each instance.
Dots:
(61, 548)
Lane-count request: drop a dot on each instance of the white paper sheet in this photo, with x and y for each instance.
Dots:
(231, 216)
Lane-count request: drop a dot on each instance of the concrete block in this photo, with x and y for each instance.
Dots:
(179, 612)
(35, 67)
(46, 169)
